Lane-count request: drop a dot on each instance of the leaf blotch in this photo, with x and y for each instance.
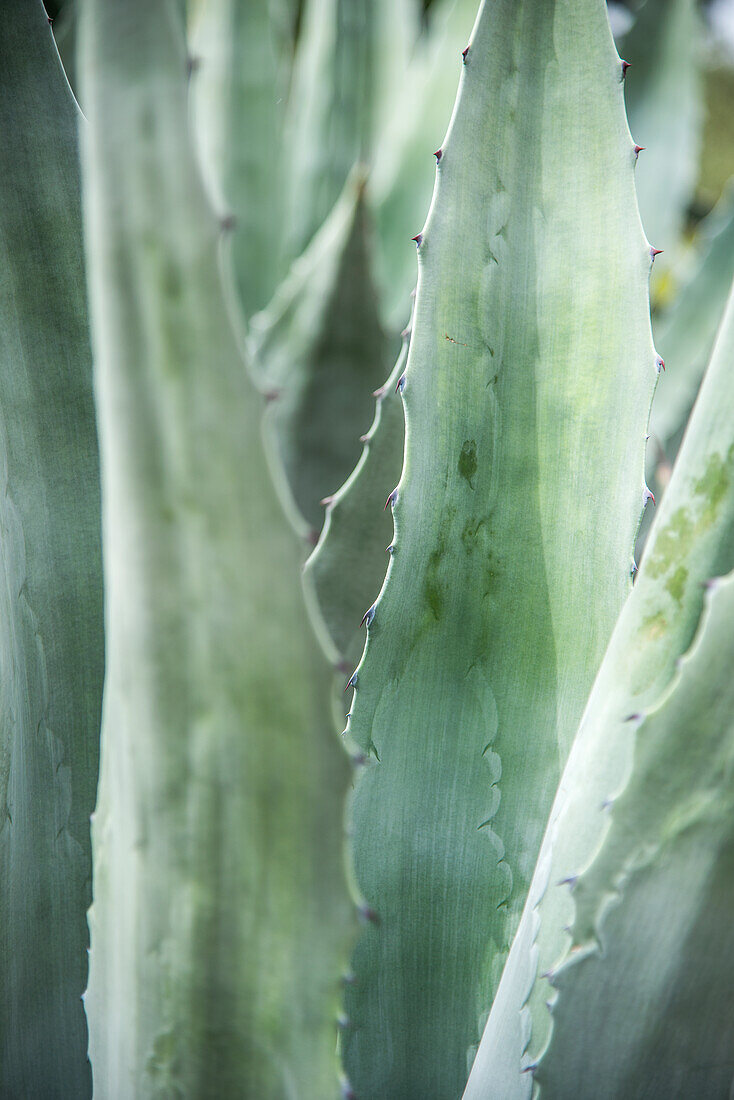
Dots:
(468, 461)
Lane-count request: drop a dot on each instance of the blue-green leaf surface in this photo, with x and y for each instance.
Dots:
(527, 391)
(220, 916)
(51, 642)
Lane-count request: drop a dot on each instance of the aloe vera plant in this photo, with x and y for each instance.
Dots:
(505, 409)
(620, 825)
(217, 833)
(51, 644)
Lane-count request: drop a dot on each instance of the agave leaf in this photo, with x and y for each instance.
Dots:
(239, 89)
(403, 175)
(63, 20)
(321, 351)
(51, 628)
(344, 574)
(685, 333)
(350, 63)
(526, 406)
(651, 995)
(616, 761)
(220, 914)
(665, 111)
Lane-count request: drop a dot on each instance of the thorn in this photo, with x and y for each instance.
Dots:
(655, 252)
(391, 499)
(570, 881)
(405, 334)
(438, 154)
(633, 568)
(379, 393)
(607, 804)
(639, 149)
(390, 549)
(418, 239)
(530, 1069)
(312, 537)
(548, 975)
(228, 223)
(364, 438)
(192, 65)
(343, 1022)
(625, 66)
(646, 496)
(634, 717)
(368, 615)
(465, 54)
(352, 681)
(50, 20)
(413, 293)
(659, 363)
(401, 383)
(710, 584)
(271, 395)
(327, 501)
(366, 914)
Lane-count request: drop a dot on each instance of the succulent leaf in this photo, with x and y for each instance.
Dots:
(403, 176)
(650, 996)
(685, 332)
(320, 352)
(239, 84)
(344, 574)
(665, 111)
(615, 760)
(350, 63)
(220, 914)
(526, 407)
(51, 622)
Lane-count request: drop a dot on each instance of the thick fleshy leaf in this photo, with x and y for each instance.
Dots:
(350, 64)
(320, 351)
(685, 333)
(630, 823)
(240, 82)
(343, 576)
(220, 915)
(51, 640)
(403, 176)
(665, 109)
(526, 408)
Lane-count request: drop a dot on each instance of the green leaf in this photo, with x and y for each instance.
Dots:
(240, 82)
(321, 351)
(685, 333)
(344, 574)
(665, 111)
(527, 391)
(645, 1010)
(220, 915)
(614, 787)
(51, 627)
(349, 66)
(404, 171)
